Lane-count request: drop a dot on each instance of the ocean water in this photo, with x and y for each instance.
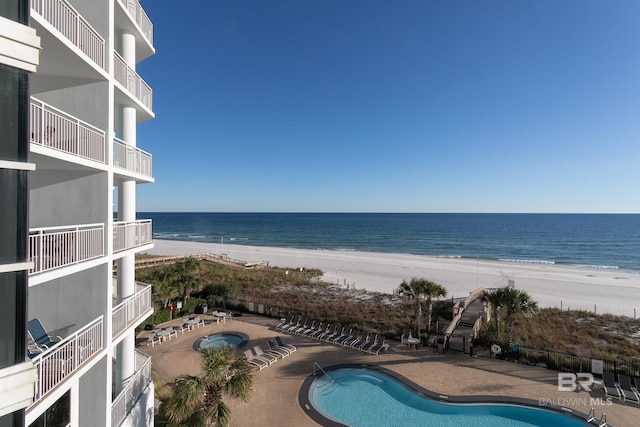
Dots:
(589, 240)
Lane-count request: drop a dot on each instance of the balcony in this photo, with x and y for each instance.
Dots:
(131, 234)
(140, 17)
(132, 82)
(60, 362)
(131, 311)
(54, 247)
(129, 396)
(131, 158)
(55, 129)
(64, 18)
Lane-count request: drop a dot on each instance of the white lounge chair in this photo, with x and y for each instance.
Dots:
(287, 346)
(259, 353)
(260, 363)
(274, 348)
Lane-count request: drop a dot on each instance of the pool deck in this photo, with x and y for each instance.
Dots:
(276, 388)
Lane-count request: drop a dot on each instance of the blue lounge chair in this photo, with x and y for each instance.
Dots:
(39, 335)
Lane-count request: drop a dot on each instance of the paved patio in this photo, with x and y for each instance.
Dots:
(275, 398)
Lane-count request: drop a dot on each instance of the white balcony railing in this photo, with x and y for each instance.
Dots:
(55, 129)
(131, 158)
(127, 398)
(130, 234)
(66, 357)
(139, 17)
(128, 78)
(131, 310)
(74, 27)
(54, 247)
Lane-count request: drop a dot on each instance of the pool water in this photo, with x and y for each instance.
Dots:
(360, 397)
(218, 340)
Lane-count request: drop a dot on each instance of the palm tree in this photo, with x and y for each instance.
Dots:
(197, 400)
(420, 289)
(495, 300)
(512, 301)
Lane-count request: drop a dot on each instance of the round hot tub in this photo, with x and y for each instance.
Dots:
(234, 339)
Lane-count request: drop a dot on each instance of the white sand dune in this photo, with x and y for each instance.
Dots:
(602, 290)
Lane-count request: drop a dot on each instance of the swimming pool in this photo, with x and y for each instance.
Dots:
(236, 339)
(365, 397)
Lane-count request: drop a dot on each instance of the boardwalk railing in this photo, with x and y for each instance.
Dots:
(73, 26)
(131, 310)
(128, 78)
(219, 258)
(127, 398)
(54, 247)
(55, 129)
(66, 357)
(131, 158)
(130, 234)
(461, 308)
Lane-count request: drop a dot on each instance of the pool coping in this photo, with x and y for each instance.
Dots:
(245, 339)
(309, 409)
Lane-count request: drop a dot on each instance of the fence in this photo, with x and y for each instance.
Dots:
(561, 361)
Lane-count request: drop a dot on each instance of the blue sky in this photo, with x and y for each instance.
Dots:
(393, 106)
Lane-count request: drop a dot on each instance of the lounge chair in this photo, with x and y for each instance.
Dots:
(311, 329)
(367, 345)
(363, 338)
(375, 349)
(290, 347)
(325, 333)
(284, 323)
(260, 363)
(296, 326)
(628, 388)
(342, 336)
(318, 331)
(335, 333)
(367, 342)
(274, 348)
(301, 328)
(611, 389)
(259, 353)
(39, 335)
(347, 342)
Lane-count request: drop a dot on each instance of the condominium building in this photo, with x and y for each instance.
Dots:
(70, 102)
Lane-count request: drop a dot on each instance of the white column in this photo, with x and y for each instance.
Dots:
(129, 49)
(125, 352)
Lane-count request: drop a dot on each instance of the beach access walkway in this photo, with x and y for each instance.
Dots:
(276, 388)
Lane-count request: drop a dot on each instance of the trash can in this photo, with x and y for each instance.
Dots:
(440, 345)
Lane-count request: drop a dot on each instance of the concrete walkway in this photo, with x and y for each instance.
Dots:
(276, 388)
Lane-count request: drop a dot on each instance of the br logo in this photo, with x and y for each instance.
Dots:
(568, 381)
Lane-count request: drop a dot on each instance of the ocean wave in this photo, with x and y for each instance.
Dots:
(527, 261)
(598, 267)
(198, 236)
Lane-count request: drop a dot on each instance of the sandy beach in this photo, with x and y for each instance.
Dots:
(603, 290)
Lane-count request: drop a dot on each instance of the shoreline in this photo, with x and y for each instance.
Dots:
(614, 291)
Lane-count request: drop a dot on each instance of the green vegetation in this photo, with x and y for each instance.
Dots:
(295, 292)
(419, 289)
(282, 292)
(504, 304)
(197, 400)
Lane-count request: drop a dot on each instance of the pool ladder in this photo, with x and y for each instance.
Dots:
(602, 422)
(325, 372)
